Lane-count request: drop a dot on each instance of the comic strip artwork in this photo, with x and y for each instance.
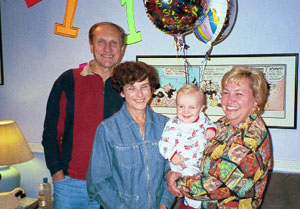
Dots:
(173, 77)
(279, 110)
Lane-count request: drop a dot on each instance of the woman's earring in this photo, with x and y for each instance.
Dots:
(257, 109)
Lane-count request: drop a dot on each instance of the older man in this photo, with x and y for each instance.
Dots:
(79, 100)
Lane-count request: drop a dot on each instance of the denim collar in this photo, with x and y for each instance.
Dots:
(128, 120)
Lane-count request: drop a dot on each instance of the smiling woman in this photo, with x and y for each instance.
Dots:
(236, 164)
(125, 160)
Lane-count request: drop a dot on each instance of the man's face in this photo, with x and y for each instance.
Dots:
(106, 46)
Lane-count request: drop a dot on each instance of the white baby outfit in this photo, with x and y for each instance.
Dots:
(187, 140)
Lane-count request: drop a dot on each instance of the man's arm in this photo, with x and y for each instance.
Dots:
(55, 111)
(59, 175)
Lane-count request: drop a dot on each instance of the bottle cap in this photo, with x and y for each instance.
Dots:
(45, 180)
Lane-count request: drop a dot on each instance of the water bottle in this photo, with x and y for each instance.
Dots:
(45, 190)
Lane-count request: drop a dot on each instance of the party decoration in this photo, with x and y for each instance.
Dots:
(66, 29)
(174, 16)
(30, 3)
(207, 26)
(217, 23)
(133, 36)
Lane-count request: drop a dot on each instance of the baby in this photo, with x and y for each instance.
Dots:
(185, 136)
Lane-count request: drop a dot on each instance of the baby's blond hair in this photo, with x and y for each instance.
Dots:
(192, 89)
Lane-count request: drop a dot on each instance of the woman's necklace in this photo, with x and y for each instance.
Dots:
(142, 129)
(141, 122)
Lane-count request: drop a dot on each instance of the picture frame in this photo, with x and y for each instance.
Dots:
(1, 54)
(280, 71)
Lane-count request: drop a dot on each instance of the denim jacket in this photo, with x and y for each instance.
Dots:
(127, 170)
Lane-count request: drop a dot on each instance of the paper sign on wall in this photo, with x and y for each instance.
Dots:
(30, 3)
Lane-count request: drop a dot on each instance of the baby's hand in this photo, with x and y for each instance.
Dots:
(178, 160)
(210, 133)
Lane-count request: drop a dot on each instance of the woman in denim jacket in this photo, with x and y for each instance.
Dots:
(126, 169)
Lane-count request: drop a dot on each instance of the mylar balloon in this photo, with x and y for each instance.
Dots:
(217, 23)
(175, 16)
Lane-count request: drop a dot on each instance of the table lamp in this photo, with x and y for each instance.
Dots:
(13, 150)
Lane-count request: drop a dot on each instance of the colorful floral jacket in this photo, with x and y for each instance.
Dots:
(234, 168)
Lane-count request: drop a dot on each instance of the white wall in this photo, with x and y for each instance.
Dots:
(34, 57)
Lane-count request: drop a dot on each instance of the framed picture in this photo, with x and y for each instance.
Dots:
(280, 71)
(1, 54)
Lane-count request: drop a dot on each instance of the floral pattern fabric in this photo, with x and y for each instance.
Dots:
(187, 140)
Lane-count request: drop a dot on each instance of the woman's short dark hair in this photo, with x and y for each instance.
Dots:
(131, 72)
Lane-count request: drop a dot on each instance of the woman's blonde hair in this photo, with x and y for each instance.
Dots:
(192, 89)
(257, 83)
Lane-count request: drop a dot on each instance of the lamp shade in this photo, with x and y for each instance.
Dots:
(13, 146)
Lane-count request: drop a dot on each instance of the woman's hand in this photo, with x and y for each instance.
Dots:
(171, 181)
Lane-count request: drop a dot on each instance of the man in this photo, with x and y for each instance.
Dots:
(79, 100)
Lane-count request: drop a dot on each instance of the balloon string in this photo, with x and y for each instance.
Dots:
(208, 53)
(187, 66)
(182, 47)
(204, 62)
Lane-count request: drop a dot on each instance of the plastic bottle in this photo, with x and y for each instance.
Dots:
(45, 195)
